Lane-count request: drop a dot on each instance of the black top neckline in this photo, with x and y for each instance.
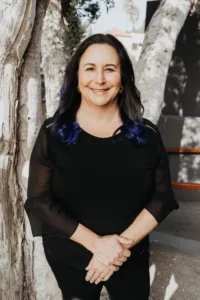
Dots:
(98, 137)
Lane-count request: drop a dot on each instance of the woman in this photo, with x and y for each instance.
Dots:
(99, 179)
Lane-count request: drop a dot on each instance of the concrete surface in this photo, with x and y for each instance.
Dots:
(174, 276)
(184, 222)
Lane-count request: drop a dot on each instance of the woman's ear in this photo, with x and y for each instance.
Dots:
(121, 89)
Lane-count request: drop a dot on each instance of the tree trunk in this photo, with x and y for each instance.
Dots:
(23, 269)
(39, 275)
(54, 54)
(159, 43)
(15, 36)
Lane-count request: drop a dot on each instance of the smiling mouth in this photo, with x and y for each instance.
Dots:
(99, 90)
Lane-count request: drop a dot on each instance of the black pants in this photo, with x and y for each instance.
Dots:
(131, 282)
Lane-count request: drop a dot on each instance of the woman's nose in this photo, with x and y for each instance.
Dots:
(99, 77)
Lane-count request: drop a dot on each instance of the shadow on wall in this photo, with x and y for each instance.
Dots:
(167, 125)
(182, 90)
(178, 132)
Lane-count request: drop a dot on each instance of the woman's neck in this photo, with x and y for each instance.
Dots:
(99, 121)
(102, 115)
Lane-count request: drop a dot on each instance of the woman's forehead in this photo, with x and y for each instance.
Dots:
(100, 53)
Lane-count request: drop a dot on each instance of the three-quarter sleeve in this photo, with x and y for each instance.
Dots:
(46, 216)
(163, 199)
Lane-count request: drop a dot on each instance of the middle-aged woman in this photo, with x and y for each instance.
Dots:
(99, 178)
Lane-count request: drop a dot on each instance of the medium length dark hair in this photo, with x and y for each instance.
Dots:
(64, 124)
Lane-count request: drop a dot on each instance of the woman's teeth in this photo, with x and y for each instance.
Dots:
(99, 90)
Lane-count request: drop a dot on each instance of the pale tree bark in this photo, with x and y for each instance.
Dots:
(54, 54)
(38, 272)
(159, 43)
(24, 273)
(16, 26)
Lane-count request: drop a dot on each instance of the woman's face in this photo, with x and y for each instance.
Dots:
(99, 78)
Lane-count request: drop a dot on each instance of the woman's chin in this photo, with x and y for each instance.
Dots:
(102, 102)
(99, 101)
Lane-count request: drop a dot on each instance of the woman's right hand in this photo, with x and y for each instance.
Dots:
(109, 251)
(98, 272)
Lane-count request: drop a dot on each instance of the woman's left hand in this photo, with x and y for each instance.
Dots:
(98, 272)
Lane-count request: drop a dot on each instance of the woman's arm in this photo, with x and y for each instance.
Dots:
(46, 216)
(142, 225)
(107, 249)
(162, 201)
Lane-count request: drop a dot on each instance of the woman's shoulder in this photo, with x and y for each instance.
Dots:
(152, 131)
(45, 127)
(48, 122)
(154, 134)
(149, 125)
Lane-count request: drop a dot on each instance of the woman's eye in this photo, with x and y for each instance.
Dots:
(109, 70)
(90, 69)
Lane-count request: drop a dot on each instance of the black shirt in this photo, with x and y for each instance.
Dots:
(98, 183)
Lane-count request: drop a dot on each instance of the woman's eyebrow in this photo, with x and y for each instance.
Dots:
(91, 64)
(111, 65)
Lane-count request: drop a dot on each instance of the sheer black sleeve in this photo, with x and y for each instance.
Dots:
(45, 215)
(163, 200)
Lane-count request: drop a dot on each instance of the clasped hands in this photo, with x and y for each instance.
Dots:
(109, 253)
